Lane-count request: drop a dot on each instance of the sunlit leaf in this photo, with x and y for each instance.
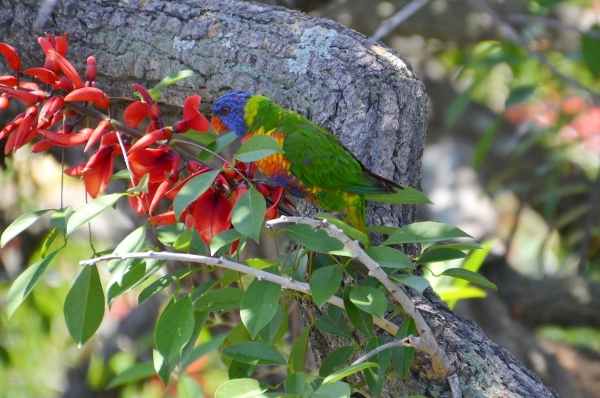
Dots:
(168, 80)
(90, 210)
(345, 372)
(84, 305)
(241, 388)
(336, 389)
(258, 147)
(25, 282)
(387, 257)
(223, 239)
(138, 372)
(470, 276)
(217, 146)
(59, 218)
(131, 244)
(416, 282)
(369, 299)
(441, 254)
(259, 305)
(249, 213)
(317, 240)
(20, 225)
(224, 299)
(192, 190)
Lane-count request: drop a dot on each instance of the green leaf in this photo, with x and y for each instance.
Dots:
(204, 348)
(142, 186)
(317, 241)
(428, 231)
(248, 214)
(370, 300)
(84, 305)
(294, 383)
(188, 388)
(590, 48)
(336, 327)
(458, 246)
(162, 283)
(458, 106)
(333, 390)
(48, 241)
(383, 229)
(192, 190)
(324, 282)
(131, 278)
(168, 80)
(224, 299)
(200, 319)
(174, 328)
(254, 353)
(519, 94)
(335, 360)
(224, 238)
(217, 146)
(259, 305)
(451, 294)
(239, 370)
(440, 254)
(163, 368)
(275, 329)
(345, 372)
(260, 263)
(20, 225)
(470, 276)
(361, 320)
(204, 138)
(90, 210)
(406, 196)
(297, 359)
(416, 282)
(402, 356)
(376, 377)
(121, 175)
(23, 285)
(139, 371)
(59, 218)
(131, 244)
(387, 257)
(351, 232)
(258, 147)
(240, 388)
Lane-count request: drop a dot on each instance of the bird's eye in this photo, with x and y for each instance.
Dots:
(225, 110)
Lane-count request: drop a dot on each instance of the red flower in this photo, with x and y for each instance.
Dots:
(98, 170)
(159, 163)
(192, 118)
(212, 214)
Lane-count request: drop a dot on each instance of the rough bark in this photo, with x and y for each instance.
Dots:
(369, 97)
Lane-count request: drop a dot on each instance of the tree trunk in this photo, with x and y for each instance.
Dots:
(369, 97)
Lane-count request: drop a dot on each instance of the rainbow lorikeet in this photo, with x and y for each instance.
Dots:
(315, 166)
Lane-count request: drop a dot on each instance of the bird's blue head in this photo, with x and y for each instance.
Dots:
(229, 113)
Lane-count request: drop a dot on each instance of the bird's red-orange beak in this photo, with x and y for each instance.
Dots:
(218, 125)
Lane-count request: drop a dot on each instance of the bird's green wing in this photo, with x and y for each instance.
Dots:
(318, 159)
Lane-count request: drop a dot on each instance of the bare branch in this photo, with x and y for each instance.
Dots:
(395, 20)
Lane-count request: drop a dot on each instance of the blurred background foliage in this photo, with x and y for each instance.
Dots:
(512, 158)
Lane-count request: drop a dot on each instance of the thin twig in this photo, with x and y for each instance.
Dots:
(126, 158)
(395, 20)
(395, 343)
(287, 283)
(426, 342)
(514, 36)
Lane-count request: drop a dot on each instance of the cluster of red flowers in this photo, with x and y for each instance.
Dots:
(58, 102)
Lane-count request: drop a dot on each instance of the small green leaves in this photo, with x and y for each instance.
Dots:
(297, 359)
(84, 305)
(217, 146)
(345, 372)
(387, 257)
(370, 300)
(167, 81)
(422, 232)
(470, 276)
(254, 353)
(174, 328)
(258, 147)
(317, 241)
(248, 214)
(20, 225)
(324, 282)
(192, 190)
(406, 196)
(90, 210)
(259, 305)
